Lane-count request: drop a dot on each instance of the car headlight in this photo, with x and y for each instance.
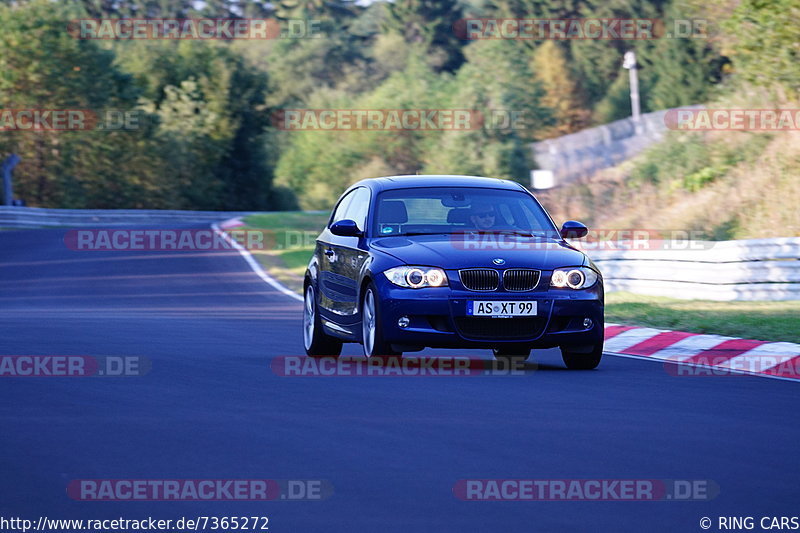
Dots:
(574, 278)
(416, 277)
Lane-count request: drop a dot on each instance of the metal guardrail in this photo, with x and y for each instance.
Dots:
(31, 217)
(583, 153)
(757, 269)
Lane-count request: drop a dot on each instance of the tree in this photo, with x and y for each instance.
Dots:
(598, 62)
(213, 113)
(43, 67)
(541, 9)
(561, 92)
(429, 23)
(138, 8)
(511, 106)
(200, 141)
(765, 38)
(683, 72)
(337, 11)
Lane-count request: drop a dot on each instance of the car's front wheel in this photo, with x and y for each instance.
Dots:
(372, 326)
(316, 342)
(582, 360)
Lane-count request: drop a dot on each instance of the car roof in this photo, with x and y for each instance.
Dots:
(435, 180)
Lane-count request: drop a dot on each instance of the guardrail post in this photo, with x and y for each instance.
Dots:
(8, 166)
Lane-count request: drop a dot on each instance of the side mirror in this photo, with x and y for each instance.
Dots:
(346, 228)
(573, 229)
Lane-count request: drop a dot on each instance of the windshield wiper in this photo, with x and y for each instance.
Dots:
(515, 232)
(510, 232)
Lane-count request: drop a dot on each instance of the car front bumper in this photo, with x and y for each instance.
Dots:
(438, 318)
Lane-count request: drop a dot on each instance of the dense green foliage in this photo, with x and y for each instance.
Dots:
(206, 135)
(691, 162)
(765, 35)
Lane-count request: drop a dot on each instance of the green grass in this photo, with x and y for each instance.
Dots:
(289, 220)
(289, 243)
(297, 260)
(769, 321)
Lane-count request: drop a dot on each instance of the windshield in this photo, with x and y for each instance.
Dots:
(444, 210)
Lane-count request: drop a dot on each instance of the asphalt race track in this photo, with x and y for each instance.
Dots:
(392, 447)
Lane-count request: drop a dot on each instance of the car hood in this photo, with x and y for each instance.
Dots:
(465, 251)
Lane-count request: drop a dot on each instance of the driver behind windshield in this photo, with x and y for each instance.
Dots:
(483, 216)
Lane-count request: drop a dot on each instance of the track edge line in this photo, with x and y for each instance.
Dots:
(255, 267)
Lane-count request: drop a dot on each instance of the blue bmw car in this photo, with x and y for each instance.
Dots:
(409, 262)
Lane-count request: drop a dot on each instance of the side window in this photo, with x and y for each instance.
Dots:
(359, 207)
(341, 209)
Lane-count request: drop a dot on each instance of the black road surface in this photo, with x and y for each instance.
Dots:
(392, 448)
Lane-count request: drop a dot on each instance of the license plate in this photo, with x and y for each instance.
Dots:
(501, 309)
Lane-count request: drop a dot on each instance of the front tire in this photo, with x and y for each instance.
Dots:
(582, 361)
(372, 326)
(316, 342)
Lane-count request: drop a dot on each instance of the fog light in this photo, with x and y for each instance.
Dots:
(587, 323)
(403, 322)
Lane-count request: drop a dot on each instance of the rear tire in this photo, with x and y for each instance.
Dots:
(582, 361)
(372, 326)
(316, 342)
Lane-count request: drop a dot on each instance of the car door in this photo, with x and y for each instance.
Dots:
(329, 296)
(353, 250)
(341, 259)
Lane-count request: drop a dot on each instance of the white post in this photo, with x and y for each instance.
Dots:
(630, 63)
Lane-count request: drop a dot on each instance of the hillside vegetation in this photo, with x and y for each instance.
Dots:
(726, 185)
(206, 134)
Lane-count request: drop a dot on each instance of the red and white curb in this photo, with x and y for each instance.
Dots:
(714, 354)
